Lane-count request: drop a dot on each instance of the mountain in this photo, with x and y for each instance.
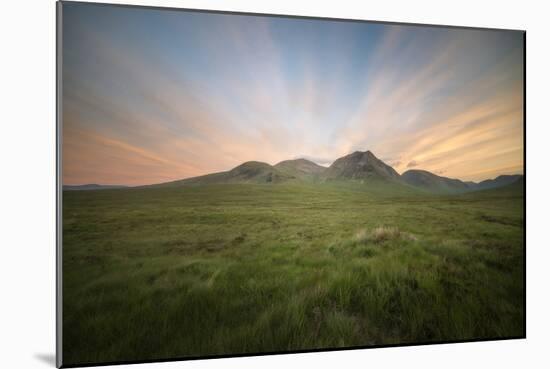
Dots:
(499, 181)
(248, 172)
(434, 183)
(257, 172)
(91, 186)
(361, 165)
(300, 168)
(511, 190)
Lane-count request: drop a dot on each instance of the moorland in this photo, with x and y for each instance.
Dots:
(290, 257)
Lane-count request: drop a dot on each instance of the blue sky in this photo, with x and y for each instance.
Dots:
(158, 95)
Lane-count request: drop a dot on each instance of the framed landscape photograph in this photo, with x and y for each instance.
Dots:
(234, 184)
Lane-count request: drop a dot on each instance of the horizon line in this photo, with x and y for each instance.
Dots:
(300, 158)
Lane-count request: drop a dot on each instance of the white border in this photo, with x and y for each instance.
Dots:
(27, 236)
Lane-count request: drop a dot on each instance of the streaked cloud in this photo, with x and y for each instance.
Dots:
(153, 96)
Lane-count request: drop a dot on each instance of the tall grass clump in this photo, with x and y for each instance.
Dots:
(382, 234)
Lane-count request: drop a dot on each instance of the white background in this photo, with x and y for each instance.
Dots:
(27, 192)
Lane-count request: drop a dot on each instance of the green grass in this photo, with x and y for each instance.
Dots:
(226, 269)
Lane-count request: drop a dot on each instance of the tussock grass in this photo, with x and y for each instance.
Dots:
(382, 234)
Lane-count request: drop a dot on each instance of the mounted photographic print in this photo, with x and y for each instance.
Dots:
(240, 184)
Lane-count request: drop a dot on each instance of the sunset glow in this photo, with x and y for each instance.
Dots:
(151, 96)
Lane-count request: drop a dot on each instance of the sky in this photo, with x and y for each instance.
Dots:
(151, 96)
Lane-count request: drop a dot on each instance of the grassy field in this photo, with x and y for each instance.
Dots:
(227, 269)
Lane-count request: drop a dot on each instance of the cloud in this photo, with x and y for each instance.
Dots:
(199, 93)
(393, 162)
(443, 111)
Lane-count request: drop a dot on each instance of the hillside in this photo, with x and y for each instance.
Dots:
(361, 165)
(300, 168)
(499, 181)
(514, 189)
(432, 182)
(248, 172)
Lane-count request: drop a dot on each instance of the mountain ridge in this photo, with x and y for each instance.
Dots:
(433, 182)
(359, 166)
(247, 172)
(500, 181)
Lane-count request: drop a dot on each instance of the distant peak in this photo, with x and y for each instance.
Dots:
(254, 162)
(363, 152)
(251, 164)
(361, 165)
(367, 153)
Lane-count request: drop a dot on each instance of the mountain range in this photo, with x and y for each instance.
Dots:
(358, 166)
